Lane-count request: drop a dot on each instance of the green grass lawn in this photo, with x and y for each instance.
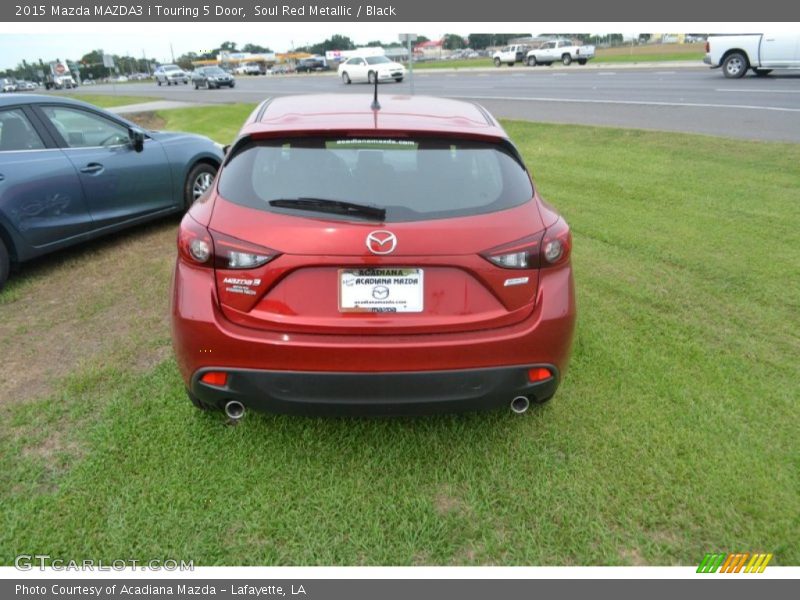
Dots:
(621, 54)
(601, 57)
(109, 101)
(461, 63)
(674, 434)
(660, 57)
(221, 124)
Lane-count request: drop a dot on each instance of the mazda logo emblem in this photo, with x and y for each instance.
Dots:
(381, 242)
(380, 292)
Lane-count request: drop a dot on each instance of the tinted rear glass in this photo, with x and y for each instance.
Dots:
(413, 179)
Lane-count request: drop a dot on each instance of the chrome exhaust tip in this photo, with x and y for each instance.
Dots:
(234, 409)
(520, 404)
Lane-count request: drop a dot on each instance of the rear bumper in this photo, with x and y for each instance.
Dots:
(379, 394)
(382, 374)
(389, 76)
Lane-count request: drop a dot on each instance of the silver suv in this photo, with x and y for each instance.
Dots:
(170, 74)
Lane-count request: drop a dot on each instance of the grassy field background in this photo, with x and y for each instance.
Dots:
(620, 54)
(108, 100)
(674, 433)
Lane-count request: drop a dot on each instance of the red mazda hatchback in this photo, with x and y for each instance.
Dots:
(355, 259)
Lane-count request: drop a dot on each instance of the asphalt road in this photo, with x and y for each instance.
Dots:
(696, 100)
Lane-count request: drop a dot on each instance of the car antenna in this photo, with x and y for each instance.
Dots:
(375, 104)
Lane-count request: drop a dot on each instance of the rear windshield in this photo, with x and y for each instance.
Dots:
(413, 179)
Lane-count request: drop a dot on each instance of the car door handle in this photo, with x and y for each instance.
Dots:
(92, 168)
(2, 177)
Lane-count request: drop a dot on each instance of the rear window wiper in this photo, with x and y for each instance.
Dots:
(337, 207)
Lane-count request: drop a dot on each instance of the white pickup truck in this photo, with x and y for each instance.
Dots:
(761, 52)
(563, 51)
(248, 68)
(510, 54)
(59, 77)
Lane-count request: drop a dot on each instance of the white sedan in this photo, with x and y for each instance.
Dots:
(367, 68)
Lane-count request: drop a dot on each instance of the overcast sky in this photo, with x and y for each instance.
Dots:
(49, 41)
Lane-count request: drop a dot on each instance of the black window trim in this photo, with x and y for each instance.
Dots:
(54, 133)
(246, 141)
(33, 121)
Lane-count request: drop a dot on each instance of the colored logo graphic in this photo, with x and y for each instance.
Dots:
(734, 563)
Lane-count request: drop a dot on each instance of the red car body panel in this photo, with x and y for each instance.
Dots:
(463, 291)
(290, 320)
(205, 337)
(400, 115)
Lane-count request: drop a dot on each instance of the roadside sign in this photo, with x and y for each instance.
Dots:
(407, 38)
(108, 61)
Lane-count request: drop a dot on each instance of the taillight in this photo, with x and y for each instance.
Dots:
(232, 253)
(194, 242)
(545, 249)
(708, 47)
(201, 247)
(556, 244)
(522, 254)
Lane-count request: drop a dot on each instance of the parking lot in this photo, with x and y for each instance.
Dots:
(666, 97)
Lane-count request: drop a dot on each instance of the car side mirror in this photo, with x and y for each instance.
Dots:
(136, 137)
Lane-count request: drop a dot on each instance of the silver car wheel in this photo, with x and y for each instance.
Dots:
(735, 65)
(201, 183)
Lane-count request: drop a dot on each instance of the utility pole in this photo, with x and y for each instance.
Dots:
(172, 52)
(408, 38)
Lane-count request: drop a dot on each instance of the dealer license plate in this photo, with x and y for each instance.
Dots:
(388, 290)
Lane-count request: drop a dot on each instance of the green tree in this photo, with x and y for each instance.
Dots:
(255, 49)
(91, 65)
(453, 41)
(26, 70)
(481, 41)
(335, 42)
(184, 61)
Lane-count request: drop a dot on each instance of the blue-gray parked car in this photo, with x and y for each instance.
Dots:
(70, 172)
